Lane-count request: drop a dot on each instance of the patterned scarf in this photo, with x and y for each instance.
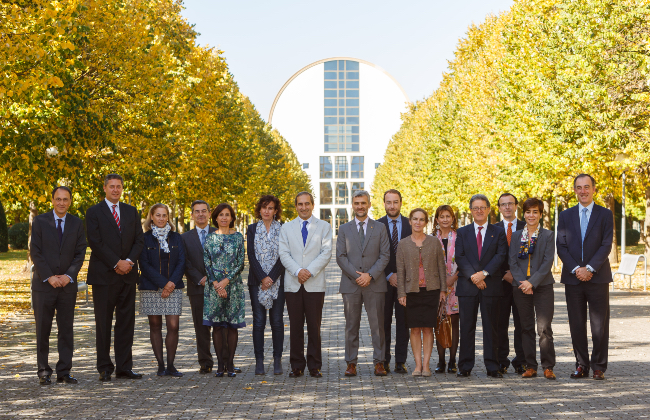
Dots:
(267, 252)
(450, 257)
(527, 248)
(161, 235)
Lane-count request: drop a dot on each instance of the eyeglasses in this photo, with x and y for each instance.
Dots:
(479, 208)
(510, 204)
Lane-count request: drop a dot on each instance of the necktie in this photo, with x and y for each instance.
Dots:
(394, 239)
(583, 229)
(202, 237)
(362, 234)
(509, 232)
(304, 232)
(479, 241)
(59, 230)
(116, 217)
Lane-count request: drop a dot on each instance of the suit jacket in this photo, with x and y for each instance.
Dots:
(518, 225)
(194, 264)
(597, 244)
(150, 270)
(313, 256)
(408, 266)
(52, 258)
(541, 262)
(494, 251)
(406, 231)
(255, 272)
(110, 245)
(372, 257)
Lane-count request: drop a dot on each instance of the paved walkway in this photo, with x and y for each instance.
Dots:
(625, 393)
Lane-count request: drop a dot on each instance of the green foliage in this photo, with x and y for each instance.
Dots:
(632, 237)
(4, 232)
(18, 235)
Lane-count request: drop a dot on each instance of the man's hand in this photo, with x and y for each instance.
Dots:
(54, 281)
(266, 283)
(123, 267)
(477, 277)
(63, 280)
(203, 280)
(364, 279)
(393, 280)
(583, 274)
(402, 301)
(303, 275)
(508, 277)
(481, 285)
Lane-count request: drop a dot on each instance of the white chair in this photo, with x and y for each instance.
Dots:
(628, 267)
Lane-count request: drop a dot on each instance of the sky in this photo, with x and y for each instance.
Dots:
(266, 42)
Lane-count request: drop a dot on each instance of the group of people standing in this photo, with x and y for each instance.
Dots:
(390, 266)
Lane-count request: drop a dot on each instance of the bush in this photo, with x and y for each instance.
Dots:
(18, 235)
(4, 232)
(632, 237)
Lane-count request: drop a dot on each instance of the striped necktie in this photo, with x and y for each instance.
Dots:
(116, 217)
(394, 239)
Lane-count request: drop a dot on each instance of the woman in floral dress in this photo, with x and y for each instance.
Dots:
(446, 226)
(223, 254)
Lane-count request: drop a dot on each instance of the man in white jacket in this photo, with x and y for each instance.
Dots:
(305, 251)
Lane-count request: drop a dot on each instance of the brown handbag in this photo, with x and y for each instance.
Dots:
(443, 326)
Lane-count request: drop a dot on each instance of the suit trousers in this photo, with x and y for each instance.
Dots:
(538, 306)
(596, 297)
(303, 305)
(401, 332)
(118, 298)
(203, 332)
(374, 304)
(468, 309)
(46, 304)
(508, 305)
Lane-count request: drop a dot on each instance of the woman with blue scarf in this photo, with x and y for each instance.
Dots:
(162, 264)
(531, 259)
(265, 280)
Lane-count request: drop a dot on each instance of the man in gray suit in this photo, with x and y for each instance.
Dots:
(362, 253)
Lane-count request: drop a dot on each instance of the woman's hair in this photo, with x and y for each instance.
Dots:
(447, 207)
(532, 203)
(264, 201)
(149, 220)
(426, 215)
(218, 210)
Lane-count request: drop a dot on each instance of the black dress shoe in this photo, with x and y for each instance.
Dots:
(494, 374)
(128, 374)
(295, 373)
(387, 367)
(452, 367)
(237, 370)
(67, 378)
(503, 369)
(399, 368)
(463, 373)
(440, 368)
(315, 373)
(172, 371)
(105, 376)
(521, 369)
(45, 380)
(205, 369)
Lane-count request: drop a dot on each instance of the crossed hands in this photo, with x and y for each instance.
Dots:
(167, 290)
(266, 283)
(220, 287)
(303, 275)
(583, 274)
(123, 267)
(526, 287)
(364, 279)
(478, 279)
(59, 281)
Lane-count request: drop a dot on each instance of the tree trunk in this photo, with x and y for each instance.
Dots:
(493, 216)
(547, 214)
(172, 215)
(33, 212)
(646, 223)
(613, 254)
(181, 219)
(4, 232)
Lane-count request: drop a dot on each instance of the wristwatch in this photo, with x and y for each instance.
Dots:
(485, 273)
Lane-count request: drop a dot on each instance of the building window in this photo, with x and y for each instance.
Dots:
(305, 166)
(326, 215)
(341, 106)
(357, 167)
(341, 167)
(325, 193)
(377, 165)
(342, 196)
(356, 186)
(325, 167)
(341, 218)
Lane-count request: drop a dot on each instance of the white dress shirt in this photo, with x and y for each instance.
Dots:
(476, 226)
(56, 217)
(514, 225)
(117, 208)
(365, 224)
(309, 221)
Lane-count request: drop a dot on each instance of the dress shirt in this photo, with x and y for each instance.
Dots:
(206, 229)
(398, 225)
(309, 221)
(514, 225)
(589, 208)
(485, 226)
(62, 230)
(365, 224)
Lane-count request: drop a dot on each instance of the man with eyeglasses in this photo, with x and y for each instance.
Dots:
(58, 249)
(510, 223)
(481, 249)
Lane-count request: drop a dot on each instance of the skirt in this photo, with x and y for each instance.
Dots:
(422, 308)
(152, 304)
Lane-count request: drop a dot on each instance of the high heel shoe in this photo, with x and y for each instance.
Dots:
(220, 370)
(440, 368)
(452, 367)
(231, 371)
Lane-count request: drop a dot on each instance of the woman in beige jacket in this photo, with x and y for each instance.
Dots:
(421, 274)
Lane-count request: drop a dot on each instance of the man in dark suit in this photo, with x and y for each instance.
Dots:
(584, 241)
(398, 227)
(58, 249)
(510, 224)
(480, 251)
(116, 240)
(196, 278)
